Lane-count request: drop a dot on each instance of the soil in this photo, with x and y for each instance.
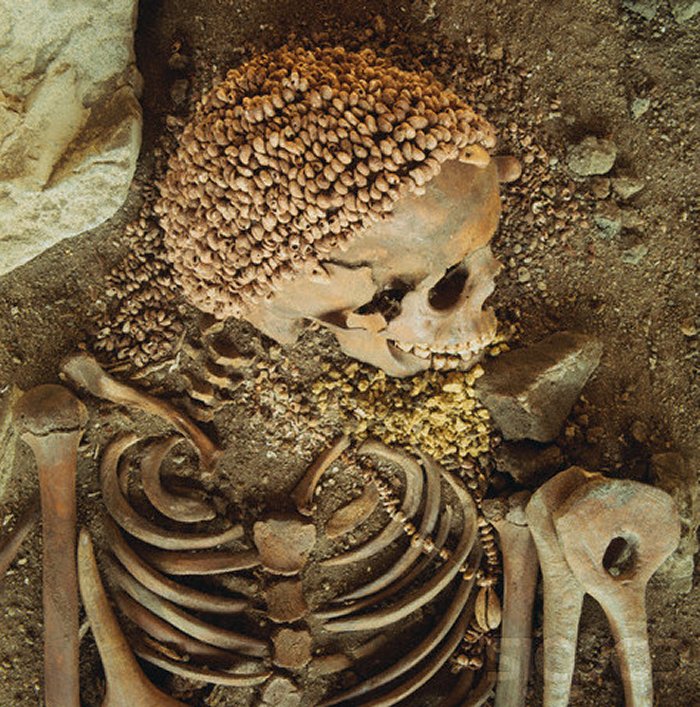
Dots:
(546, 74)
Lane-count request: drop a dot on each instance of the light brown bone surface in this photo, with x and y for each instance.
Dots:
(563, 593)
(127, 686)
(51, 420)
(646, 520)
(520, 582)
(84, 371)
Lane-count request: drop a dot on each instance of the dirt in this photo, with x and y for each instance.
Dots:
(546, 74)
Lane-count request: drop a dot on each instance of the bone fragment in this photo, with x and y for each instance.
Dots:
(11, 543)
(84, 371)
(337, 662)
(404, 581)
(411, 501)
(563, 593)
(520, 571)
(51, 420)
(127, 686)
(303, 493)
(183, 509)
(414, 550)
(141, 528)
(179, 594)
(419, 597)
(164, 632)
(354, 513)
(420, 653)
(284, 542)
(199, 673)
(189, 624)
(645, 520)
(205, 562)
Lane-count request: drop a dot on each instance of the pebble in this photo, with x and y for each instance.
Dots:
(639, 106)
(592, 156)
(688, 327)
(178, 91)
(646, 8)
(600, 186)
(608, 219)
(627, 187)
(635, 254)
(523, 275)
(631, 219)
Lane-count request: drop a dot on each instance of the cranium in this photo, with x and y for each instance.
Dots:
(409, 292)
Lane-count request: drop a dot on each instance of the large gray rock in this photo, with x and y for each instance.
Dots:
(591, 156)
(70, 121)
(673, 473)
(529, 392)
(684, 10)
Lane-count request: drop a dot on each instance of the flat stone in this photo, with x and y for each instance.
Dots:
(646, 8)
(627, 187)
(284, 542)
(673, 473)
(684, 10)
(280, 692)
(592, 156)
(70, 121)
(529, 463)
(634, 255)
(530, 392)
(285, 601)
(291, 648)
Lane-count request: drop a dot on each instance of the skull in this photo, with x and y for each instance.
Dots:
(409, 292)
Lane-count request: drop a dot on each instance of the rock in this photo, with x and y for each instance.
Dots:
(285, 601)
(291, 648)
(284, 542)
(646, 8)
(70, 122)
(627, 187)
(529, 463)
(280, 692)
(600, 186)
(634, 255)
(639, 106)
(523, 275)
(631, 219)
(673, 473)
(608, 219)
(591, 156)
(684, 10)
(529, 392)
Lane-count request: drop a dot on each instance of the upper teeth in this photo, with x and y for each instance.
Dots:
(450, 356)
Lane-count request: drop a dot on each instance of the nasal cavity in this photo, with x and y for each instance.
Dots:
(620, 557)
(446, 293)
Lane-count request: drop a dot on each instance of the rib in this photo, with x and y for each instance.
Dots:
(205, 562)
(11, 543)
(164, 587)
(183, 509)
(405, 581)
(84, 371)
(162, 631)
(460, 696)
(413, 552)
(354, 513)
(303, 493)
(423, 649)
(418, 679)
(411, 501)
(193, 672)
(189, 624)
(122, 512)
(422, 595)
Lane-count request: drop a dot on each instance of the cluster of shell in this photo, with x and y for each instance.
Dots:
(294, 153)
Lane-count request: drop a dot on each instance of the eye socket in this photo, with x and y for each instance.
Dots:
(387, 302)
(447, 291)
